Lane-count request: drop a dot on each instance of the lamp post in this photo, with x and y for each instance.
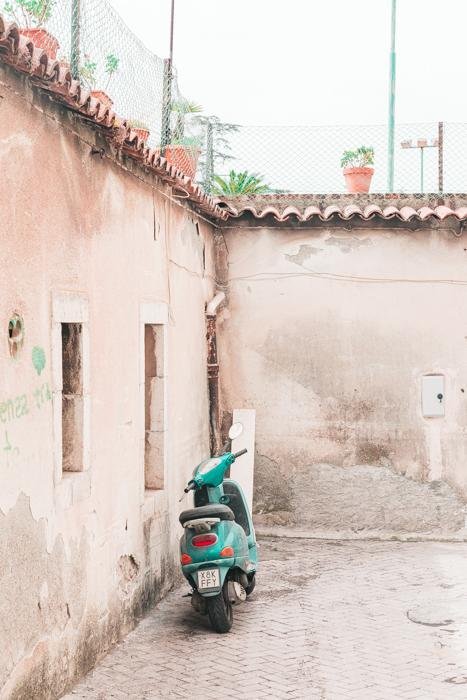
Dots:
(421, 144)
(392, 99)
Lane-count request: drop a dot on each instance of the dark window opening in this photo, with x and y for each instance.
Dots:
(72, 397)
(154, 387)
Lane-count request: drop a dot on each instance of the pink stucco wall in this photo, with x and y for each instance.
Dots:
(81, 556)
(328, 334)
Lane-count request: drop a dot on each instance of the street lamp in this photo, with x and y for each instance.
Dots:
(421, 144)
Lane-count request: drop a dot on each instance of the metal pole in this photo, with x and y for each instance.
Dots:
(167, 86)
(209, 165)
(75, 38)
(166, 105)
(440, 157)
(392, 99)
(421, 169)
(172, 23)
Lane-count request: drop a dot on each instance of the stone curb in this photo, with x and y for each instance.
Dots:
(367, 535)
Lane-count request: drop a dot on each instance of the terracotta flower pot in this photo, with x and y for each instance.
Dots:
(185, 158)
(142, 133)
(102, 97)
(43, 40)
(358, 179)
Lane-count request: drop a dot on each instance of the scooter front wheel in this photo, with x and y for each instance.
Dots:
(220, 612)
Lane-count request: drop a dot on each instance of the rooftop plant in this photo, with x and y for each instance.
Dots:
(239, 183)
(111, 66)
(88, 70)
(360, 158)
(218, 149)
(179, 109)
(29, 13)
(137, 124)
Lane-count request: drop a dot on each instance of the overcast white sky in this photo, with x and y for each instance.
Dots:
(312, 61)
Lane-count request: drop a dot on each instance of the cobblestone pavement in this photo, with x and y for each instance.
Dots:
(328, 620)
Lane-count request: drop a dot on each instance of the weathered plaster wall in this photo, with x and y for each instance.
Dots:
(82, 556)
(327, 335)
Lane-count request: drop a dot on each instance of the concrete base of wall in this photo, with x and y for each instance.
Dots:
(369, 500)
(368, 535)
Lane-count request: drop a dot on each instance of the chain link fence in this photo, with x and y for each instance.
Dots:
(115, 66)
(118, 69)
(430, 157)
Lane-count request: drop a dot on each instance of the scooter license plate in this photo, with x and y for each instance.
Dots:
(208, 578)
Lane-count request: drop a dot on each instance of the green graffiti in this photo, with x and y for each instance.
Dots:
(18, 406)
(9, 451)
(38, 358)
(42, 395)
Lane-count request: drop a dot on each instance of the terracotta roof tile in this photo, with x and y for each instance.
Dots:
(303, 208)
(55, 77)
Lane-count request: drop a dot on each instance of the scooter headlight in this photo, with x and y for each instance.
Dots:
(207, 465)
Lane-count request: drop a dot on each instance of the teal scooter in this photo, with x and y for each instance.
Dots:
(218, 550)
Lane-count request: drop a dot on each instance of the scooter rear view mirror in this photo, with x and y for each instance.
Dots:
(236, 429)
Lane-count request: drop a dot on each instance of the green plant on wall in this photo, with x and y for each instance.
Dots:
(29, 13)
(239, 183)
(360, 158)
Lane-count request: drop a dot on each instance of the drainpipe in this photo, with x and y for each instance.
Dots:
(213, 371)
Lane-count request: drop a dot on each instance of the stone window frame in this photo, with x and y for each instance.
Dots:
(69, 307)
(153, 313)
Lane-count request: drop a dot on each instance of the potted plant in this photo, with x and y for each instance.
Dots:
(140, 128)
(183, 152)
(357, 172)
(87, 75)
(111, 67)
(184, 155)
(30, 16)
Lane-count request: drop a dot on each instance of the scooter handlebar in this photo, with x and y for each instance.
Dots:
(239, 454)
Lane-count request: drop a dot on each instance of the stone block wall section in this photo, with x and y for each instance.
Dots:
(93, 249)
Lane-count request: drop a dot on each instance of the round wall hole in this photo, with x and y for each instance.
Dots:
(15, 334)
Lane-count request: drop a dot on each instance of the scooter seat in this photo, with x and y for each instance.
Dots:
(212, 510)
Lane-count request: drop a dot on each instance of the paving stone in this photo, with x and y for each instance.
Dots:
(325, 622)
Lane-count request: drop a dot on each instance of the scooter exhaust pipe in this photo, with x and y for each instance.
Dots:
(236, 592)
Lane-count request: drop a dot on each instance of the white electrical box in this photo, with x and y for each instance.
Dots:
(433, 398)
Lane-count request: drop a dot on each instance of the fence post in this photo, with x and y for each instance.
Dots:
(441, 157)
(209, 164)
(166, 104)
(75, 38)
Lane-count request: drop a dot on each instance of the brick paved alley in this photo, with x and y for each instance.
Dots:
(328, 620)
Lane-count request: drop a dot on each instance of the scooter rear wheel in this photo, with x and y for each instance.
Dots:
(220, 612)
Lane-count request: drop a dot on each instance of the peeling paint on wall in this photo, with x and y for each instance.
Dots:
(332, 361)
